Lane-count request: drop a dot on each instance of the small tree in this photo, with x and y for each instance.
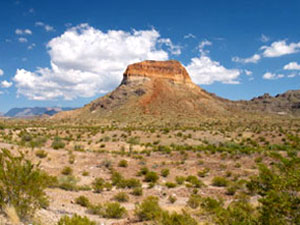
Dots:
(22, 184)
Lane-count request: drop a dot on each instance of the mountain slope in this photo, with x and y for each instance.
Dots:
(153, 89)
(163, 91)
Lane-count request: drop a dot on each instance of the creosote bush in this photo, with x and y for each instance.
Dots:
(75, 220)
(22, 184)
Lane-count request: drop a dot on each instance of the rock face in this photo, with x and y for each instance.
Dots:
(171, 70)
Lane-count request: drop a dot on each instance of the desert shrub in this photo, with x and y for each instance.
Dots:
(98, 184)
(57, 143)
(83, 201)
(219, 182)
(237, 213)
(172, 199)
(143, 171)
(123, 163)
(278, 186)
(68, 183)
(132, 183)
(149, 209)
(203, 172)
(194, 181)
(180, 180)
(114, 210)
(151, 176)
(138, 191)
(170, 184)
(121, 197)
(165, 172)
(116, 178)
(75, 220)
(41, 153)
(67, 170)
(22, 184)
(175, 218)
(194, 201)
(96, 209)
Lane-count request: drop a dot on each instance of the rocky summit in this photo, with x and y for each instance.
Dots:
(170, 70)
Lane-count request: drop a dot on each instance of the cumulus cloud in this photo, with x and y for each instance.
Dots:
(47, 27)
(23, 32)
(174, 49)
(280, 48)
(202, 45)
(292, 66)
(1, 72)
(6, 84)
(22, 40)
(272, 76)
(203, 70)
(86, 61)
(248, 72)
(253, 59)
(189, 35)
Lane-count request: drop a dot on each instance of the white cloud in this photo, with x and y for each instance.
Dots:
(6, 84)
(174, 49)
(292, 75)
(86, 61)
(23, 32)
(203, 70)
(189, 35)
(253, 59)
(264, 38)
(202, 45)
(272, 76)
(47, 27)
(22, 40)
(248, 72)
(292, 66)
(30, 47)
(280, 48)
(1, 72)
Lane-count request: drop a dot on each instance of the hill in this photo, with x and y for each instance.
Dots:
(35, 111)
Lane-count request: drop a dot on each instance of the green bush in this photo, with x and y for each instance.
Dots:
(151, 176)
(41, 153)
(170, 185)
(83, 201)
(57, 143)
(138, 191)
(165, 172)
(75, 220)
(98, 184)
(22, 184)
(175, 219)
(194, 201)
(123, 163)
(194, 181)
(67, 170)
(121, 197)
(219, 182)
(68, 183)
(149, 209)
(180, 180)
(114, 210)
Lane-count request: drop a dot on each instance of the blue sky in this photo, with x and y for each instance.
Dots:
(67, 53)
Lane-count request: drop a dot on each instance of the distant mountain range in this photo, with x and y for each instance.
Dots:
(35, 111)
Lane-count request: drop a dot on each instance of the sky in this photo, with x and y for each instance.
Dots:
(67, 53)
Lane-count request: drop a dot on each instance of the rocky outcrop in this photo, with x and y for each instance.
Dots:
(170, 70)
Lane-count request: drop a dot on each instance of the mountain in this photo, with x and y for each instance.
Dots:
(153, 89)
(163, 90)
(286, 103)
(35, 111)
